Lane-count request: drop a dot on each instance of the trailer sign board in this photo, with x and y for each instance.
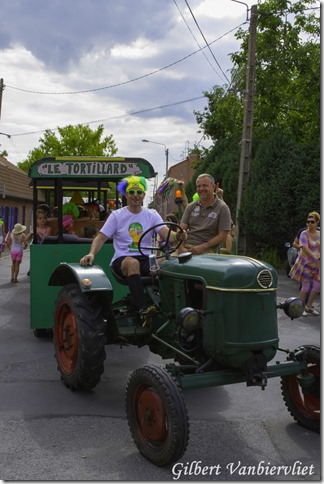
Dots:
(70, 167)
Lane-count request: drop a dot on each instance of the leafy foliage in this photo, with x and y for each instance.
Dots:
(284, 187)
(77, 140)
(4, 153)
(284, 181)
(223, 115)
(287, 91)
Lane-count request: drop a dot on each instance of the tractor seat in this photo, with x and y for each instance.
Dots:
(146, 280)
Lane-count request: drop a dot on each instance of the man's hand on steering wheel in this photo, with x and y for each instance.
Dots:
(169, 238)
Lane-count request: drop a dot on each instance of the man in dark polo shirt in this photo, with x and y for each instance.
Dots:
(207, 220)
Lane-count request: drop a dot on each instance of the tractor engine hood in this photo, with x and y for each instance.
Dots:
(224, 271)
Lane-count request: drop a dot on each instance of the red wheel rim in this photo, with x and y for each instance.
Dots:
(308, 404)
(151, 416)
(66, 339)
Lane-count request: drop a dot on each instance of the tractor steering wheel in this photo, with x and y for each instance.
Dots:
(165, 246)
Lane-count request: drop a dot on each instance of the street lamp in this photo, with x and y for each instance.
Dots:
(166, 167)
(166, 154)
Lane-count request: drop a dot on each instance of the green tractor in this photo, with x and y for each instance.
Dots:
(213, 317)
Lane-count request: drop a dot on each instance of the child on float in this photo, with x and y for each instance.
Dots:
(42, 228)
(68, 222)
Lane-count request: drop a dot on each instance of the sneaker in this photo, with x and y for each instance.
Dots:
(305, 314)
(311, 311)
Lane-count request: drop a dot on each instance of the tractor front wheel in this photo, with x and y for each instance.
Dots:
(157, 415)
(305, 406)
(79, 338)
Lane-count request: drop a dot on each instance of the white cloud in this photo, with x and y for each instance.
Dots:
(122, 41)
(221, 9)
(139, 49)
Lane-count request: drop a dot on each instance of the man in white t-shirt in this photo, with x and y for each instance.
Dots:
(125, 226)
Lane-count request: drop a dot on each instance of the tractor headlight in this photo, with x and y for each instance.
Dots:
(293, 307)
(188, 319)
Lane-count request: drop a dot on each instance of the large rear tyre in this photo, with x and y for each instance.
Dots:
(157, 415)
(79, 338)
(304, 407)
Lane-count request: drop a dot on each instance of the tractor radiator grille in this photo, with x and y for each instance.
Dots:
(265, 279)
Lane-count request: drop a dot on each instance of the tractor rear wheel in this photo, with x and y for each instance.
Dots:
(305, 406)
(157, 415)
(79, 338)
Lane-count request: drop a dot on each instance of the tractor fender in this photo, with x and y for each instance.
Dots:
(90, 278)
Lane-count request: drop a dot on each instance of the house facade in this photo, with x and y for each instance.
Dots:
(16, 197)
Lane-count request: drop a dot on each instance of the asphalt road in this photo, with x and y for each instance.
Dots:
(49, 433)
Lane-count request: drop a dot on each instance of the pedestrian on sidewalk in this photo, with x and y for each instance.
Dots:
(16, 241)
(306, 269)
(2, 235)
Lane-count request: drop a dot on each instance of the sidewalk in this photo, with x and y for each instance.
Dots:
(5, 253)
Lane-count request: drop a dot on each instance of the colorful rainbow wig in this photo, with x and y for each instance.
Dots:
(131, 182)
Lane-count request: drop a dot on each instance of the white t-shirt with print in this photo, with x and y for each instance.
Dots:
(126, 228)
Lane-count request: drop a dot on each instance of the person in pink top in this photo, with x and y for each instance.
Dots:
(2, 235)
(43, 229)
(306, 269)
(16, 241)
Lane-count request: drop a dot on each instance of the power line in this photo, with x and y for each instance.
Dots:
(183, 18)
(207, 44)
(130, 80)
(132, 113)
(17, 149)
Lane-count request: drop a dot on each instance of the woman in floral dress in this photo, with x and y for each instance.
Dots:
(306, 268)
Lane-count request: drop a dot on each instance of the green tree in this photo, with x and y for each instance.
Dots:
(287, 88)
(284, 187)
(4, 153)
(223, 115)
(77, 140)
(284, 182)
(287, 91)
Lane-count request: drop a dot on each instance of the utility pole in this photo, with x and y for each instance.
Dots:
(166, 162)
(246, 142)
(1, 89)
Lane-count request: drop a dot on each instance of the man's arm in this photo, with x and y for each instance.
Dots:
(96, 245)
(228, 247)
(164, 232)
(213, 242)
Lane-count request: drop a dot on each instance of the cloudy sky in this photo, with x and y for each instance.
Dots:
(138, 67)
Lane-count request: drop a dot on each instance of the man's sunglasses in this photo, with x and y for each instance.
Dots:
(311, 222)
(138, 192)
